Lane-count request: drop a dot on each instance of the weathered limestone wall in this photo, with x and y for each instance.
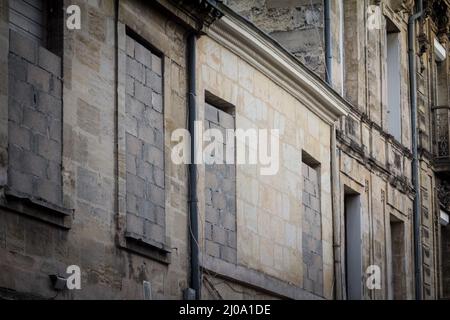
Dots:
(270, 216)
(31, 249)
(296, 24)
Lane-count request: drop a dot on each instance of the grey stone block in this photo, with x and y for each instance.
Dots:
(133, 145)
(130, 44)
(49, 105)
(55, 87)
(226, 120)
(218, 200)
(154, 232)
(232, 239)
(212, 215)
(143, 93)
(142, 55)
(157, 195)
(129, 86)
(131, 164)
(219, 235)
(35, 121)
(212, 249)
(33, 164)
(20, 181)
(135, 224)
(131, 204)
(49, 191)
(228, 221)
(54, 171)
(17, 68)
(144, 170)
(55, 130)
(155, 119)
(19, 136)
(157, 65)
(135, 70)
(158, 177)
(211, 114)
(228, 254)
(39, 78)
(22, 46)
(208, 231)
(153, 81)
(49, 149)
(154, 156)
(135, 185)
(160, 215)
(145, 134)
(49, 61)
(157, 102)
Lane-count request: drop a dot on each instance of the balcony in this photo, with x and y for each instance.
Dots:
(442, 138)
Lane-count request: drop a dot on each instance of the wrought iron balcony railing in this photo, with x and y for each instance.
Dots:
(442, 133)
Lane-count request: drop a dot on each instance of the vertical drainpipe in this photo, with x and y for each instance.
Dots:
(338, 294)
(193, 201)
(328, 48)
(415, 166)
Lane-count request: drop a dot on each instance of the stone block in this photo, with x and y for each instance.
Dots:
(228, 254)
(219, 235)
(135, 70)
(153, 81)
(135, 224)
(49, 149)
(39, 78)
(49, 105)
(22, 46)
(143, 93)
(157, 195)
(20, 181)
(35, 121)
(49, 61)
(211, 113)
(17, 68)
(157, 102)
(212, 249)
(19, 136)
(49, 191)
(157, 65)
(142, 55)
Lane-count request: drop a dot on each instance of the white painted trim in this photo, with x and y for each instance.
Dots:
(261, 51)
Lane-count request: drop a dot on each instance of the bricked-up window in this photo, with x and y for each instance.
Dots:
(145, 187)
(35, 105)
(312, 226)
(220, 188)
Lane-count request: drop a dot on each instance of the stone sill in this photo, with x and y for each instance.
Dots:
(255, 279)
(36, 208)
(148, 248)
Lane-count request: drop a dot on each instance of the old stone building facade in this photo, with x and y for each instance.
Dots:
(88, 122)
(364, 57)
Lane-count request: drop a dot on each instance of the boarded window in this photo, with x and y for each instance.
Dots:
(312, 227)
(145, 183)
(35, 107)
(220, 186)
